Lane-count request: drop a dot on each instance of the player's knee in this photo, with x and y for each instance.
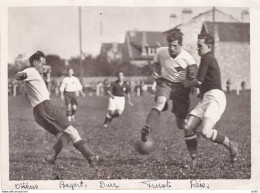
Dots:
(180, 123)
(160, 103)
(74, 107)
(69, 108)
(119, 112)
(192, 123)
(73, 134)
(207, 133)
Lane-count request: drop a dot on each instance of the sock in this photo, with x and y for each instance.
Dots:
(191, 143)
(63, 140)
(219, 138)
(84, 149)
(107, 118)
(226, 142)
(153, 118)
(73, 111)
(68, 113)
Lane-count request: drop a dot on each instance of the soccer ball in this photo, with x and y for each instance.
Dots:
(145, 147)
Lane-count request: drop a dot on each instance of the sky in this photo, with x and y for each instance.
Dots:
(55, 30)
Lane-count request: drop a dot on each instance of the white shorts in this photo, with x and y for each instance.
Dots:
(212, 105)
(118, 103)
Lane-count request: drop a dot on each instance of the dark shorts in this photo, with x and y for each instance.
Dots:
(50, 117)
(179, 95)
(70, 98)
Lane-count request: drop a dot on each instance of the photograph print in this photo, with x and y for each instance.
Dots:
(113, 93)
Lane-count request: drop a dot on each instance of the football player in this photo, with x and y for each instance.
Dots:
(116, 103)
(212, 104)
(47, 115)
(70, 87)
(171, 65)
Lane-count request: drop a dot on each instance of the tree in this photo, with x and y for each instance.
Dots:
(57, 65)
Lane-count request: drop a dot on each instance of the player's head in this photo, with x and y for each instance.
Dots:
(174, 40)
(38, 60)
(120, 76)
(70, 71)
(205, 43)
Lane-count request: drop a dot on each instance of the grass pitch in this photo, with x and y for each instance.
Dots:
(29, 144)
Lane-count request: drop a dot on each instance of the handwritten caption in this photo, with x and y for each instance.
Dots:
(154, 184)
(198, 184)
(82, 185)
(151, 184)
(26, 186)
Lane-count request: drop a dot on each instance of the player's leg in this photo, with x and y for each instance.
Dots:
(213, 112)
(74, 107)
(81, 145)
(162, 95)
(62, 141)
(44, 114)
(190, 138)
(181, 103)
(111, 111)
(69, 112)
(68, 104)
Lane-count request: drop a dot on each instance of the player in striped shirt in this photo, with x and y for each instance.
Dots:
(48, 115)
(70, 87)
(171, 66)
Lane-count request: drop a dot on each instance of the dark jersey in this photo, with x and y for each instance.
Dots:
(209, 73)
(119, 90)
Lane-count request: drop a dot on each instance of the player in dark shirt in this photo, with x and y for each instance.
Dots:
(213, 102)
(116, 103)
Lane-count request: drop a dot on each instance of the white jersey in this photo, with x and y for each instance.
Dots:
(70, 84)
(173, 69)
(35, 86)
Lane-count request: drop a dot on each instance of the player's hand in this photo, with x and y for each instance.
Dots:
(130, 103)
(155, 75)
(112, 97)
(83, 95)
(186, 83)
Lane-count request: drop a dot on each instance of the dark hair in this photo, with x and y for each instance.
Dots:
(36, 56)
(208, 39)
(174, 35)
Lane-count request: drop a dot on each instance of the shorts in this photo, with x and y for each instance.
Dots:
(50, 117)
(212, 105)
(118, 103)
(70, 98)
(179, 95)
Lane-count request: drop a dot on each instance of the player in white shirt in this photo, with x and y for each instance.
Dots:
(70, 87)
(49, 116)
(171, 65)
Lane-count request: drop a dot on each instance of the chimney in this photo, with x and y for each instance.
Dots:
(173, 20)
(186, 15)
(245, 16)
(144, 43)
(115, 47)
(216, 34)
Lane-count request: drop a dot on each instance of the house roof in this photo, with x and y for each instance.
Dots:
(151, 39)
(107, 46)
(204, 13)
(237, 32)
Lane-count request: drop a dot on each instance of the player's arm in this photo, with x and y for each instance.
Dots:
(21, 76)
(128, 96)
(155, 66)
(80, 88)
(62, 88)
(197, 81)
(110, 94)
